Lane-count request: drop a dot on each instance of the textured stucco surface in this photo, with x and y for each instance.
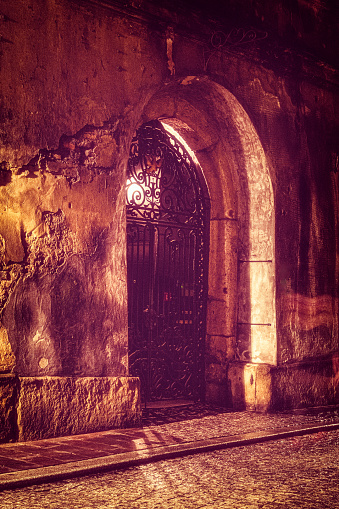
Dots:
(69, 219)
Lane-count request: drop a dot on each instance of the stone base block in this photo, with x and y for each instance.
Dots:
(8, 398)
(262, 387)
(59, 406)
(307, 384)
(250, 386)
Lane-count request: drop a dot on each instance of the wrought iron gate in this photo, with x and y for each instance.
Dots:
(167, 261)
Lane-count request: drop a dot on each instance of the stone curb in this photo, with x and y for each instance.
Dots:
(59, 472)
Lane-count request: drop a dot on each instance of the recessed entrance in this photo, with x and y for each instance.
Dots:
(167, 260)
(241, 325)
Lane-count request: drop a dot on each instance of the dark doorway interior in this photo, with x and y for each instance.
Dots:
(167, 261)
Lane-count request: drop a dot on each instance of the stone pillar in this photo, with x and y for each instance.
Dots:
(221, 308)
(256, 311)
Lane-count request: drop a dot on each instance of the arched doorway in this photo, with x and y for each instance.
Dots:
(241, 337)
(167, 210)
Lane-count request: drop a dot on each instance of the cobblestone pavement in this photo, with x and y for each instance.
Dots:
(300, 472)
(213, 421)
(163, 428)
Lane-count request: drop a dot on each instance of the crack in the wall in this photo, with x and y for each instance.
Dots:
(49, 245)
(90, 151)
(45, 248)
(10, 274)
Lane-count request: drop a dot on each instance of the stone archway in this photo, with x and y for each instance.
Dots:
(241, 325)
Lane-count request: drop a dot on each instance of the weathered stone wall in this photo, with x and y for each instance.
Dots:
(65, 313)
(264, 388)
(42, 407)
(305, 25)
(8, 415)
(308, 384)
(70, 406)
(75, 79)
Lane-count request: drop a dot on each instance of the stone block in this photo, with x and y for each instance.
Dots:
(250, 383)
(304, 384)
(220, 349)
(59, 406)
(223, 257)
(236, 384)
(263, 388)
(250, 386)
(215, 372)
(8, 398)
(222, 278)
(217, 318)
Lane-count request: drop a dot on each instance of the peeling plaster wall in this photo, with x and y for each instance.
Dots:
(75, 78)
(65, 314)
(66, 65)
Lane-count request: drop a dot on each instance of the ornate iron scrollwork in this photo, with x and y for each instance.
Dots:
(167, 233)
(162, 181)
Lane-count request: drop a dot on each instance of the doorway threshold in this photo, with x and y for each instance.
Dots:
(168, 411)
(167, 403)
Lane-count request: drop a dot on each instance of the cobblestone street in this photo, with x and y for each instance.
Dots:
(297, 472)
